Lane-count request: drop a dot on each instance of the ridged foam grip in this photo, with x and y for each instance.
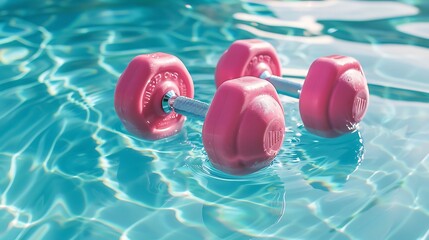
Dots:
(140, 90)
(334, 97)
(244, 127)
(250, 57)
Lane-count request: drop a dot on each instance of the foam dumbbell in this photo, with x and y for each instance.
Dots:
(333, 98)
(243, 127)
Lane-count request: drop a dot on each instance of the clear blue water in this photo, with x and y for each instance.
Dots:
(69, 170)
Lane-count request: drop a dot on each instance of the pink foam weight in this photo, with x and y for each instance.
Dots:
(140, 90)
(248, 57)
(334, 97)
(244, 127)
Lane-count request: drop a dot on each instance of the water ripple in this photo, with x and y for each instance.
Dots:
(70, 169)
(419, 29)
(345, 11)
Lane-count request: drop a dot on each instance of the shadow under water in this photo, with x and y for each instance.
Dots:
(328, 162)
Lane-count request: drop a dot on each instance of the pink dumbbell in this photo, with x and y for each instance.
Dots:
(333, 98)
(243, 128)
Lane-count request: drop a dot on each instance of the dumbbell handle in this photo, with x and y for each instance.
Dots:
(283, 85)
(183, 105)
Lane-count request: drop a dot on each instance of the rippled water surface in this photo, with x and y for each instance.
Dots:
(69, 169)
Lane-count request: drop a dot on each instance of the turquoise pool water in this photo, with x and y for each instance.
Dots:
(69, 169)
